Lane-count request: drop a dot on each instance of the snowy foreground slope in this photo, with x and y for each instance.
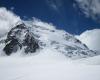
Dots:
(61, 56)
(49, 65)
(39, 68)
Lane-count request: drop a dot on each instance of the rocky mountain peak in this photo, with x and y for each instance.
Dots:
(19, 37)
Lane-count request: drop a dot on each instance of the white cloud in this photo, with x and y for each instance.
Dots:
(54, 4)
(7, 20)
(91, 38)
(38, 22)
(91, 8)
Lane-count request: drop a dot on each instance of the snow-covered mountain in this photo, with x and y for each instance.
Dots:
(34, 36)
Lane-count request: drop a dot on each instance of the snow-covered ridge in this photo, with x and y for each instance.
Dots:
(59, 40)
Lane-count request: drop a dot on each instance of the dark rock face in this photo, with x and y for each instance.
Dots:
(19, 37)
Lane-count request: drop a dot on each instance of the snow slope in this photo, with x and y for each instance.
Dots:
(41, 68)
(48, 65)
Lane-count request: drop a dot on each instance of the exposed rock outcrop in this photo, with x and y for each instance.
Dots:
(19, 37)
